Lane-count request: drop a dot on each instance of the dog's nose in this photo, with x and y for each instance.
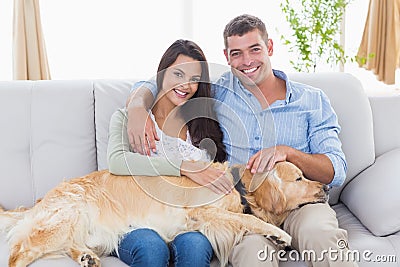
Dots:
(325, 188)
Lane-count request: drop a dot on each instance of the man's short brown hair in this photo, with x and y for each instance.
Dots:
(243, 24)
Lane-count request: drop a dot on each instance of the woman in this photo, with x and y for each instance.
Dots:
(182, 125)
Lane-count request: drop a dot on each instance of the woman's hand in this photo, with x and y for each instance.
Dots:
(141, 131)
(206, 175)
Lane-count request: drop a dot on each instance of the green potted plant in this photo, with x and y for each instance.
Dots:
(315, 28)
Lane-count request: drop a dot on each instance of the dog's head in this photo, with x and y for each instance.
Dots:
(272, 195)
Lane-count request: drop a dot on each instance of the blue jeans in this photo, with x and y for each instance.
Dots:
(144, 247)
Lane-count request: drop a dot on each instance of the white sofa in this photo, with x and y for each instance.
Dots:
(55, 130)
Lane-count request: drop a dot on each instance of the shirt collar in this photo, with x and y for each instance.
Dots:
(280, 75)
(289, 89)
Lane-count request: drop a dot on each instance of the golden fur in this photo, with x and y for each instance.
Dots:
(273, 195)
(85, 217)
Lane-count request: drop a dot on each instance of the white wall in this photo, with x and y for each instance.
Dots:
(124, 39)
(120, 40)
(108, 39)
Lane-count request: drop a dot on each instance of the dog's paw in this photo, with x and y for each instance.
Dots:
(88, 260)
(282, 242)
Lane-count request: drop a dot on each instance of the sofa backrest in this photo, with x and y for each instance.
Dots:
(386, 111)
(55, 130)
(352, 107)
(110, 95)
(47, 135)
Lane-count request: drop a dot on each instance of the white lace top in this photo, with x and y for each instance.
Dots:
(174, 147)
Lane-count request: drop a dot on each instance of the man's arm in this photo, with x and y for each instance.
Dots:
(141, 129)
(316, 167)
(325, 162)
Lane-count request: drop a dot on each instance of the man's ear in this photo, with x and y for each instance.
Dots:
(227, 56)
(270, 47)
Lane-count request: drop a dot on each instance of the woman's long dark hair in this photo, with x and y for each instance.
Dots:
(202, 122)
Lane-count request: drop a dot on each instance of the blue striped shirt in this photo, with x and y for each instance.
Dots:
(304, 120)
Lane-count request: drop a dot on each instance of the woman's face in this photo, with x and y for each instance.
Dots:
(181, 79)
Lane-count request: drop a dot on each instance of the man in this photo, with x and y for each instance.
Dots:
(306, 134)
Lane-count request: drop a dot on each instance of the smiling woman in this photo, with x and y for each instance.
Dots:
(182, 80)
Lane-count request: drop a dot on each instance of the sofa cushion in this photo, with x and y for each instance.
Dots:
(51, 262)
(62, 133)
(15, 102)
(386, 110)
(351, 105)
(367, 247)
(373, 195)
(47, 135)
(110, 95)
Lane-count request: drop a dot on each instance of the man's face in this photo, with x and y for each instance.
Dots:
(248, 56)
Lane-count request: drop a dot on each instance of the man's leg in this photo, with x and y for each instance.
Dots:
(254, 250)
(314, 229)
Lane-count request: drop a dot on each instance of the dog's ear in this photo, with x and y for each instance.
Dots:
(258, 179)
(237, 171)
(271, 198)
(278, 200)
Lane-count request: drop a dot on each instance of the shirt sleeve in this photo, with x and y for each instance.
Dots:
(122, 161)
(324, 139)
(150, 84)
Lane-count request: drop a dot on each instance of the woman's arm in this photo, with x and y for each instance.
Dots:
(121, 161)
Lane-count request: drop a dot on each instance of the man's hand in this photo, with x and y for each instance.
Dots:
(265, 159)
(208, 176)
(317, 167)
(141, 131)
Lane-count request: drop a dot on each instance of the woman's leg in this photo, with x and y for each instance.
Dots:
(191, 249)
(143, 247)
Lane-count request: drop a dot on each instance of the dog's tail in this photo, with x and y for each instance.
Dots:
(225, 229)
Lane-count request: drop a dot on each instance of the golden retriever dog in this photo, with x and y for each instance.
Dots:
(86, 217)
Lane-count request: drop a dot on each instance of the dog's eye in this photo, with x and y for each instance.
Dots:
(299, 179)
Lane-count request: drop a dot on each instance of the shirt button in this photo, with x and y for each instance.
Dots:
(261, 114)
(257, 138)
(249, 95)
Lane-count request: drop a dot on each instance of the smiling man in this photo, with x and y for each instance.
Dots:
(305, 133)
(266, 118)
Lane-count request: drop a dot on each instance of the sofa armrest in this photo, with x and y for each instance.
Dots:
(386, 112)
(373, 195)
